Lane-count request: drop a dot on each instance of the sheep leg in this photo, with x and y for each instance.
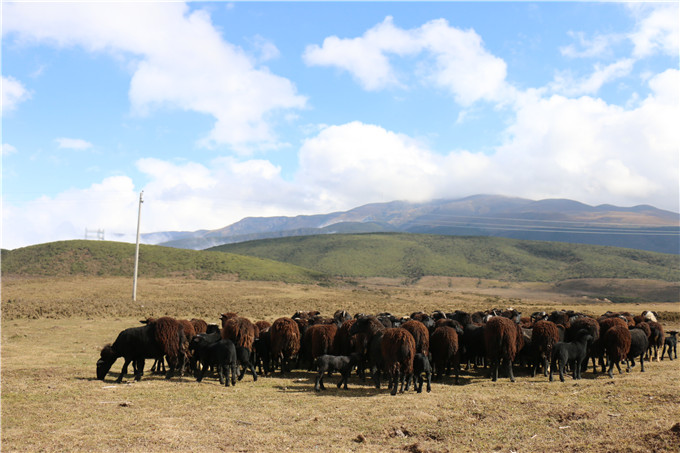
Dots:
(221, 372)
(508, 365)
(562, 364)
(376, 377)
(642, 363)
(393, 382)
(428, 376)
(139, 369)
(123, 371)
(200, 373)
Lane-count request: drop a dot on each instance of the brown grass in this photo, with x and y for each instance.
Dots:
(52, 402)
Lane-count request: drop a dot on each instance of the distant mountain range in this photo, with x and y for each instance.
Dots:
(640, 227)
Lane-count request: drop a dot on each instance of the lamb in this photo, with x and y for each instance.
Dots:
(593, 328)
(638, 346)
(671, 342)
(220, 354)
(574, 353)
(398, 349)
(544, 337)
(444, 348)
(285, 339)
(501, 339)
(262, 346)
(243, 359)
(328, 363)
(616, 341)
(421, 365)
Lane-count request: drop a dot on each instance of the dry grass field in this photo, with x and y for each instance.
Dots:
(53, 329)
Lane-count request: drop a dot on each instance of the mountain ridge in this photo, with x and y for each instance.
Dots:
(641, 227)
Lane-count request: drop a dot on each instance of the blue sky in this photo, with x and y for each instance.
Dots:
(220, 111)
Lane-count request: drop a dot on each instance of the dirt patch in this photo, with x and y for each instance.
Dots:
(668, 440)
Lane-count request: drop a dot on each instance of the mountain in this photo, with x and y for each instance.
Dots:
(640, 227)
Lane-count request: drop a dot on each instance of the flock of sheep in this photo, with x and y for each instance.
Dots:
(404, 350)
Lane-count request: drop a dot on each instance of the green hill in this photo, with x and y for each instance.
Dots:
(117, 259)
(411, 256)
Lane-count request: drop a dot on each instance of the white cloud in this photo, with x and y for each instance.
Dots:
(180, 61)
(565, 83)
(73, 143)
(451, 58)
(656, 29)
(13, 93)
(8, 149)
(598, 46)
(557, 147)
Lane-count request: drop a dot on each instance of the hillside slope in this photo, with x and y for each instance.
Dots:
(117, 259)
(411, 256)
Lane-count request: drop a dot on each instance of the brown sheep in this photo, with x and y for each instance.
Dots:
(501, 340)
(444, 348)
(200, 326)
(617, 341)
(167, 330)
(285, 340)
(420, 334)
(656, 339)
(263, 326)
(544, 337)
(398, 349)
(606, 323)
(239, 330)
(322, 337)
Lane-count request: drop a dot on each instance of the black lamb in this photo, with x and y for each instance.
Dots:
(220, 354)
(421, 364)
(670, 343)
(329, 363)
(573, 353)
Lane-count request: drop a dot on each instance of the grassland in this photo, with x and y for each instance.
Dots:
(99, 258)
(53, 329)
(411, 256)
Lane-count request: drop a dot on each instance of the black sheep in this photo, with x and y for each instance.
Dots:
(671, 342)
(638, 346)
(573, 353)
(220, 354)
(243, 359)
(421, 365)
(328, 363)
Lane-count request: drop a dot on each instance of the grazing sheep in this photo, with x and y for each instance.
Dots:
(220, 354)
(574, 353)
(372, 330)
(638, 347)
(159, 337)
(501, 338)
(322, 337)
(398, 349)
(644, 326)
(420, 333)
(444, 349)
(200, 326)
(285, 339)
(243, 360)
(262, 346)
(656, 339)
(239, 330)
(606, 323)
(474, 346)
(329, 363)
(421, 365)
(544, 337)
(617, 345)
(671, 342)
(559, 317)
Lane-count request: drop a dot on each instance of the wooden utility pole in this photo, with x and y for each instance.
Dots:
(139, 216)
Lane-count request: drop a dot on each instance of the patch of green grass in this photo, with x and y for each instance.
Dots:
(411, 256)
(100, 258)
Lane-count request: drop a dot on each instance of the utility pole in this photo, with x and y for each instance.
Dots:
(139, 216)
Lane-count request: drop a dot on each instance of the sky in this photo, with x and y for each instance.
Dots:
(219, 111)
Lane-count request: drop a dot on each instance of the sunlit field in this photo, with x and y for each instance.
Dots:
(53, 329)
